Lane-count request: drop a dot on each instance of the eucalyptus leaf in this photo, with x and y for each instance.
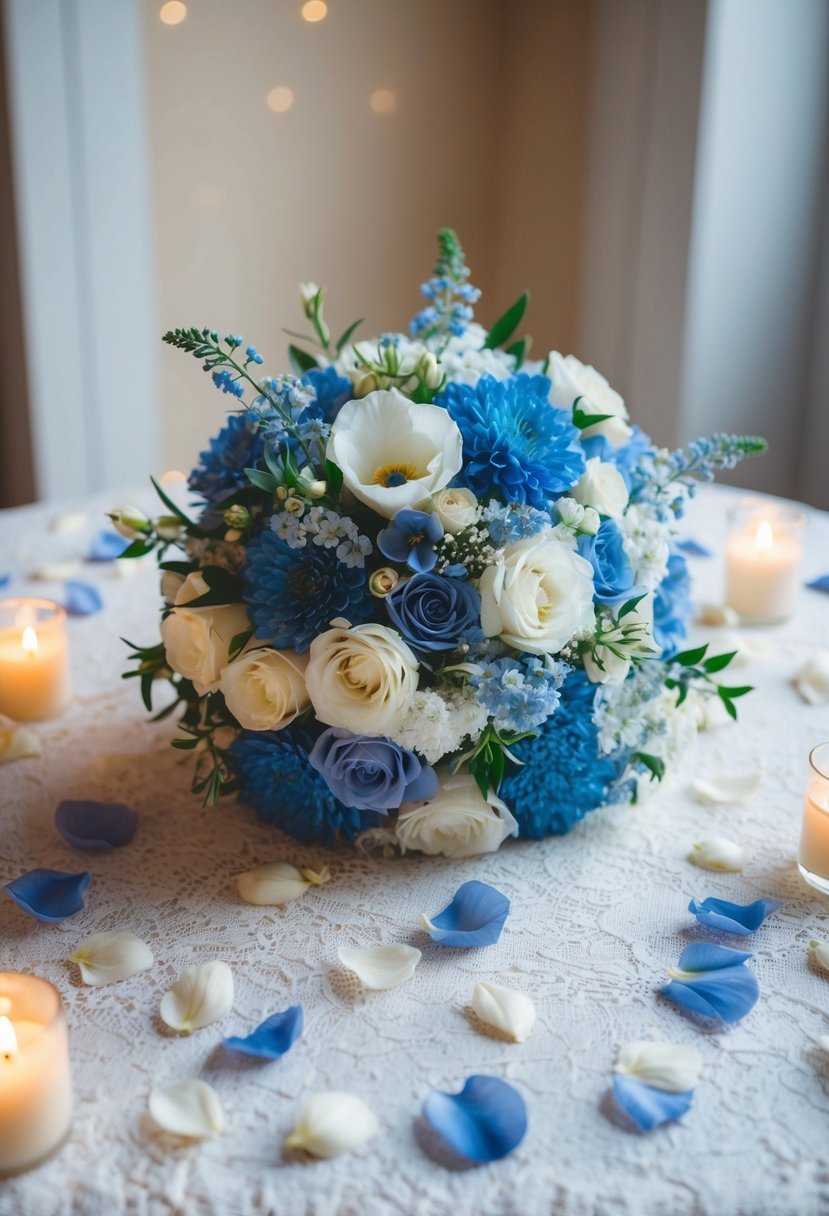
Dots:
(506, 325)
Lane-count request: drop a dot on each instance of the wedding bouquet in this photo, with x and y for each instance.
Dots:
(431, 597)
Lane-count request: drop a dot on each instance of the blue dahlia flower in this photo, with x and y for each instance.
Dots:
(221, 470)
(277, 780)
(294, 594)
(332, 390)
(515, 444)
(434, 612)
(612, 572)
(672, 605)
(563, 776)
(371, 773)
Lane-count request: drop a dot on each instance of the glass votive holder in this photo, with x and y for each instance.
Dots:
(35, 1080)
(34, 660)
(813, 854)
(764, 551)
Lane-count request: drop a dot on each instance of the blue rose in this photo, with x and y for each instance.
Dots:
(612, 571)
(371, 774)
(434, 612)
(672, 605)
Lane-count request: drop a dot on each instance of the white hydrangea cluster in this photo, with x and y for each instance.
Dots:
(647, 543)
(464, 359)
(438, 722)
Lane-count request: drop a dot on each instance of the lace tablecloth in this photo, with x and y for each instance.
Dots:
(596, 918)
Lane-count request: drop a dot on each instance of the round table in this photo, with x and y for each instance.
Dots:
(596, 919)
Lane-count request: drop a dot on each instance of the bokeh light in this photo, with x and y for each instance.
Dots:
(173, 12)
(314, 10)
(383, 101)
(280, 99)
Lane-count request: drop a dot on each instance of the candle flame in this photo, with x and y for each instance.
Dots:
(29, 640)
(8, 1039)
(764, 539)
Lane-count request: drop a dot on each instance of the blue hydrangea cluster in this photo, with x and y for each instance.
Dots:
(220, 472)
(228, 383)
(513, 521)
(331, 390)
(672, 606)
(449, 294)
(520, 693)
(666, 479)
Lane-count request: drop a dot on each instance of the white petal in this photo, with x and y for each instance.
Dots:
(380, 967)
(812, 679)
(717, 614)
(71, 521)
(57, 572)
(17, 742)
(717, 853)
(201, 995)
(278, 882)
(728, 787)
(510, 1012)
(749, 650)
(188, 1108)
(332, 1123)
(823, 1041)
(106, 958)
(665, 1066)
(820, 953)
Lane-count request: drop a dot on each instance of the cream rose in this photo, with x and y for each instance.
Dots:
(197, 641)
(265, 688)
(361, 678)
(572, 379)
(537, 596)
(456, 509)
(457, 822)
(394, 452)
(602, 486)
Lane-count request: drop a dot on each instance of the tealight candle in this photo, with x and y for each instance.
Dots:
(35, 1082)
(34, 659)
(763, 556)
(813, 855)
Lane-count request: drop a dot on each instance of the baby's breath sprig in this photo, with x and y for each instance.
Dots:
(471, 548)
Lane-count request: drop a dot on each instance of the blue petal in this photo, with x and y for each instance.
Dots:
(714, 982)
(702, 956)
(475, 917)
(5, 579)
(82, 599)
(741, 919)
(96, 825)
(820, 584)
(693, 547)
(484, 1122)
(272, 1038)
(49, 895)
(649, 1107)
(106, 545)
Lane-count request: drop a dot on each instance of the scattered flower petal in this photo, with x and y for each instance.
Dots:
(475, 917)
(107, 958)
(509, 1012)
(693, 547)
(70, 521)
(717, 853)
(819, 584)
(741, 919)
(812, 679)
(202, 994)
(17, 742)
(188, 1108)
(57, 572)
(713, 981)
(5, 579)
(96, 825)
(380, 967)
(647, 1106)
(49, 895)
(278, 882)
(484, 1122)
(331, 1123)
(717, 614)
(271, 1038)
(667, 1066)
(106, 545)
(820, 953)
(82, 599)
(823, 1042)
(746, 650)
(728, 787)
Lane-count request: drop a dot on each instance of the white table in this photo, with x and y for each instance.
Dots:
(596, 918)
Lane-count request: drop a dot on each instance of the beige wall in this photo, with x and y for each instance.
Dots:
(488, 136)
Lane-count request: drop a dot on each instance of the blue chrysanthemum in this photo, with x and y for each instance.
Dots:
(294, 594)
(221, 470)
(332, 390)
(563, 776)
(515, 444)
(276, 779)
(672, 605)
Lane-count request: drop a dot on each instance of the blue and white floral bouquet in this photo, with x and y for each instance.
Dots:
(431, 597)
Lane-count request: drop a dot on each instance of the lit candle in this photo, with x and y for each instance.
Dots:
(34, 659)
(763, 556)
(813, 855)
(35, 1082)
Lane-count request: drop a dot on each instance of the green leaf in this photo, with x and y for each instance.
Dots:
(718, 661)
(653, 764)
(519, 351)
(301, 360)
(262, 481)
(479, 769)
(346, 334)
(333, 477)
(138, 548)
(582, 420)
(690, 658)
(629, 606)
(292, 477)
(496, 766)
(147, 678)
(731, 708)
(224, 588)
(184, 568)
(184, 745)
(506, 325)
(239, 642)
(731, 693)
(170, 505)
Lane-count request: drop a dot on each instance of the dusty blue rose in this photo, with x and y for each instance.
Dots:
(434, 612)
(371, 774)
(612, 571)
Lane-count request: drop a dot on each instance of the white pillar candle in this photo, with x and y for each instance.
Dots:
(35, 1082)
(763, 556)
(813, 854)
(34, 659)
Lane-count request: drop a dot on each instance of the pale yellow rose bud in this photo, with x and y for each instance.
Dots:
(383, 581)
(294, 505)
(237, 516)
(428, 371)
(317, 489)
(365, 384)
(129, 522)
(168, 527)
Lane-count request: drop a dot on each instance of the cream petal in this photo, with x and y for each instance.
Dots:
(202, 994)
(718, 853)
(106, 958)
(278, 882)
(717, 614)
(812, 679)
(823, 1042)
(188, 1108)
(331, 1123)
(667, 1066)
(820, 953)
(728, 787)
(507, 1011)
(17, 742)
(58, 572)
(380, 967)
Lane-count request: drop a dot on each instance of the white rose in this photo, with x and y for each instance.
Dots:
(602, 486)
(572, 379)
(361, 679)
(394, 452)
(537, 596)
(265, 688)
(197, 641)
(456, 509)
(457, 822)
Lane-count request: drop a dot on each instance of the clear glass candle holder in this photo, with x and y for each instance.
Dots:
(764, 552)
(34, 660)
(35, 1080)
(813, 854)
